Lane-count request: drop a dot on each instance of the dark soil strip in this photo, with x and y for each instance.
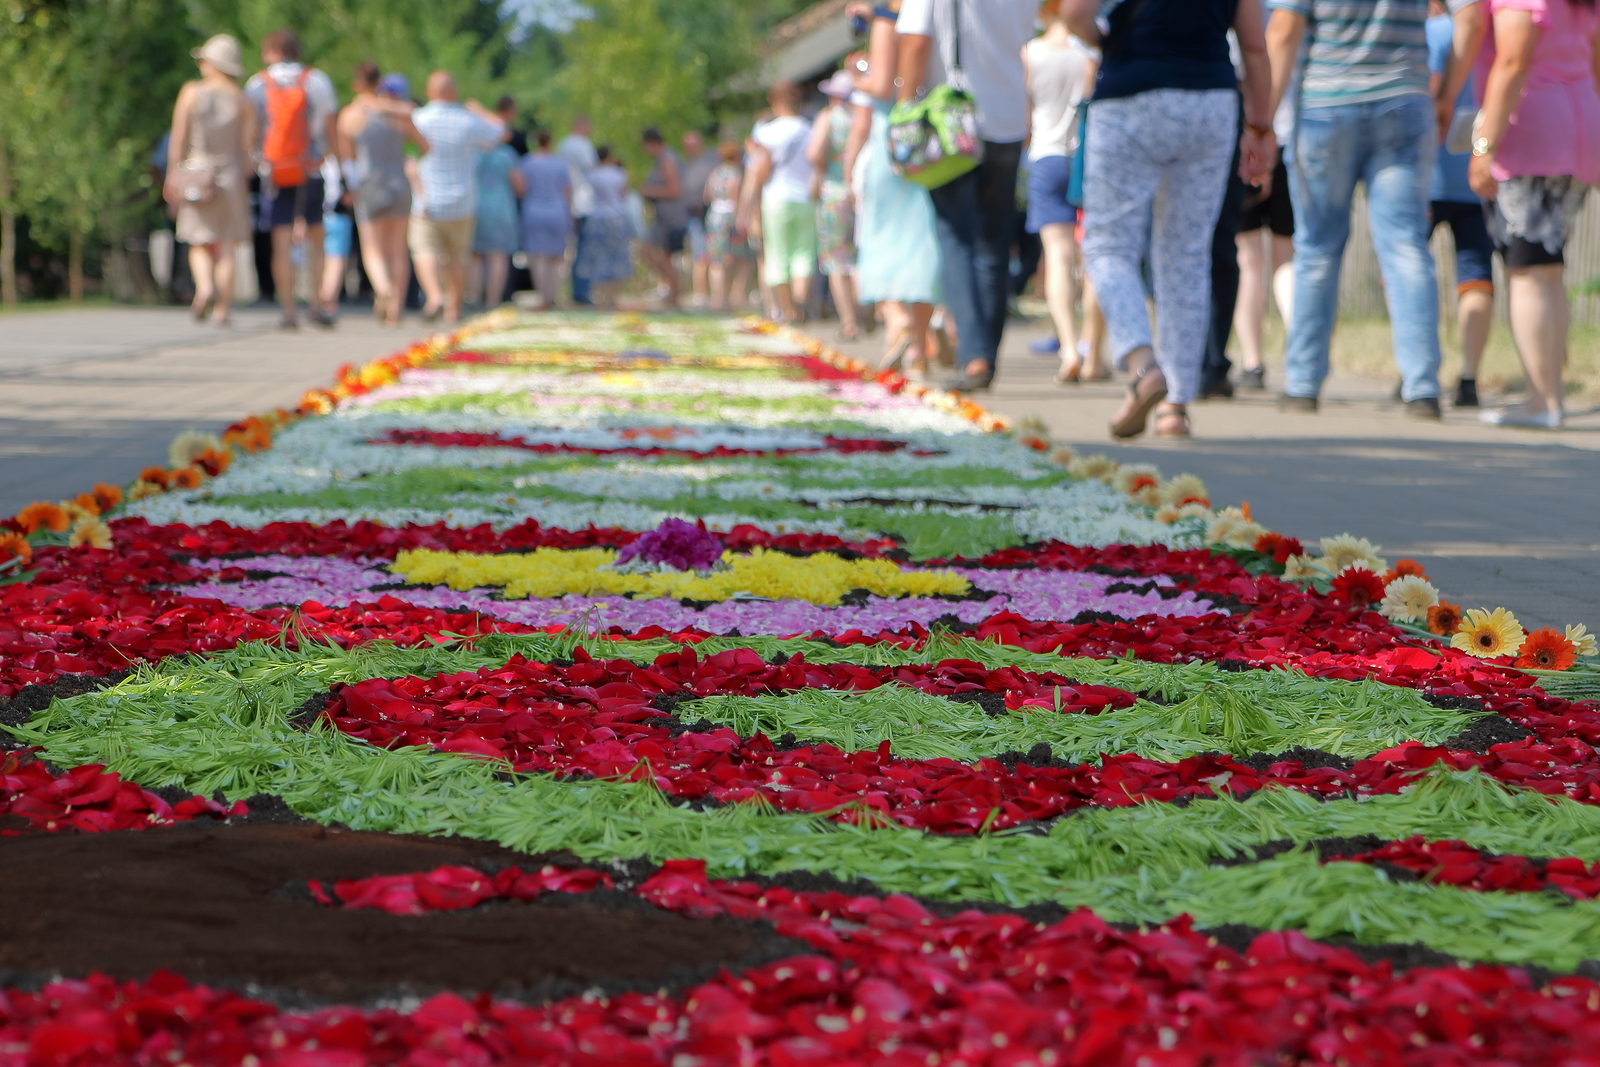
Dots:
(32, 699)
(226, 905)
(1487, 731)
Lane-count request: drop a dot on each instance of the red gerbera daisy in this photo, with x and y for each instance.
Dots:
(1547, 650)
(1357, 587)
(1279, 547)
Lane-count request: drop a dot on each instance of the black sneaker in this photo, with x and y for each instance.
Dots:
(322, 318)
(1254, 380)
(1467, 393)
(1219, 388)
(1305, 405)
(1423, 407)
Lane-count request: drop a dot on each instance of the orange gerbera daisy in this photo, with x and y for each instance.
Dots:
(40, 516)
(1444, 618)
(156, 476)
(1547, 650)
(213, 462)
(88, 502)
(187, 478)
(14, 546)
(1403, 568)
(108, 496)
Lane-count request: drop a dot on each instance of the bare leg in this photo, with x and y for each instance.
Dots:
(1251, 307)
(739, 289)
(1474, 312)
(332, 282)
(1283, 276)
(717, 281)
(314, 254)
(547, 278)
(283, 271)
(1094, 333)
(606, 293)
(896, 329)
(500, 271)
(392, 239)
(700, 279)
(1060, 290)
(917, 318)
(843, 287)
(1539, 316)
(661, 261)
(430, 276)
(475, 271)
(202, 265)
(801, 288)
(455, 284)
(375, 258)
(785, 299)
(222, 273)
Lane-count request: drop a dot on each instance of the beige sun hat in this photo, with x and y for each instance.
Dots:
(222, 52)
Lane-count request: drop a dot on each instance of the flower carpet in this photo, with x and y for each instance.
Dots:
(609, 690)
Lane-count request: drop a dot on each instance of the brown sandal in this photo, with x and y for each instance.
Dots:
(1177, 414)
(1133, 423)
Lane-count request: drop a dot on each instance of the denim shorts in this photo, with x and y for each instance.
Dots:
(336, 234)
(296, 202)
(1474, 248)
(1048, 179)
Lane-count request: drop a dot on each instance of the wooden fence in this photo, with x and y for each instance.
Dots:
(1361, 285)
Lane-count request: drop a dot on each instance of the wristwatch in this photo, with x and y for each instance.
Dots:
(1481, 146)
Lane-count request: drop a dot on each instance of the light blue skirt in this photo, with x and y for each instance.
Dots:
(897, 246)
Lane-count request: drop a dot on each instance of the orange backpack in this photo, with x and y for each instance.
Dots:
(286, 145)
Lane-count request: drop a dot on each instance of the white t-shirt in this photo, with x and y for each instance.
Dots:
(785, 139)
(992, 35)
(580, 155)
(1056, 84)
(322, 103)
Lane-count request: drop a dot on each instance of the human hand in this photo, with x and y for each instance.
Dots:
(1258, 154)
(1443, 112)
(1479, 177)
(858, 9)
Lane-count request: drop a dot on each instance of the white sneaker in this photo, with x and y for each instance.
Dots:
(1536, 420)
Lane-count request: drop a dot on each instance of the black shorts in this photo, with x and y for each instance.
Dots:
(1536, 204)
(669, 239)
(1273, 210)
(297, 201)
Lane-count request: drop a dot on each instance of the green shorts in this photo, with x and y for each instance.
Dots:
(788, 241)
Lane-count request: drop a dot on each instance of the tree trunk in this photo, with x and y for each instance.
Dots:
(8, 234)
(75, 266)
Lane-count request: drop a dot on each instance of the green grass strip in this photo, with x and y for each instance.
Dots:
(221, 723)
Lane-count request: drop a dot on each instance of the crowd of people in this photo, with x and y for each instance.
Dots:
(1178, 160)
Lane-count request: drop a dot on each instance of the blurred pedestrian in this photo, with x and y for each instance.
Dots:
(1452, 203)
(338, 239)
(546, 216)
(898, 261)
(663, 188)
(836, 217)
(781, 178)
(977, 211)
(1534, 156)
(698, 162)
(1058, 70)
(728, 253)
(1364, 117)
(605, 258)
(442, 221)
(373, 131)
(295, 112)
(1162, 130)
(213, 131)
(581, 159)
(494, 234)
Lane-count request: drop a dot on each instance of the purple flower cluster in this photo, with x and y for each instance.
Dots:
(1039, 594)
(681, 545)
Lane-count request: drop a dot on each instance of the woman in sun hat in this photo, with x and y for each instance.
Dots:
(836, 216)
(212, 131)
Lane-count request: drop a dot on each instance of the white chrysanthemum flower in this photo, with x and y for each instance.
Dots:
(1408, 598)
(189, 446)
(1341, 553)
(1195, 511)
(1582, 640)
(1301, 569)
(1184, 489)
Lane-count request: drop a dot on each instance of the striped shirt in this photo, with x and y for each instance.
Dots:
(1359, 51)
(449, 172)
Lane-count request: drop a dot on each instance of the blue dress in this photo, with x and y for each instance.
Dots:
(897, 246)
(546, 220)
(496, 229)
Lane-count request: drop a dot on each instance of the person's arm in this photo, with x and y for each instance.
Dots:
(915, 48)
(755, 179)
(413, 134)
(817, 143)
(1027, 90)
(178, 142)
(1079, 15)
(1469, 25)
(860, 130)
(1286, 30)
(247, 128)
(519, 182)
(1515, 38)
(502, 128)
(671, 186)
(1257, 148)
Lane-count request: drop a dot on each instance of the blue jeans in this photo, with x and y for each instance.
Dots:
(580, 285)
(1389, 145)
(975, 217)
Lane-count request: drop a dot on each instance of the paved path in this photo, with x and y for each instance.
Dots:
(97, 394)
(1499, 517)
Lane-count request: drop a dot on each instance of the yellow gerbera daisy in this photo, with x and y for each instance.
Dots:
(1301, 569)
(90, 531)
(1185, 489)
(1487, 634)
(1341, 553)
(1582, 640)
(1093, 466)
